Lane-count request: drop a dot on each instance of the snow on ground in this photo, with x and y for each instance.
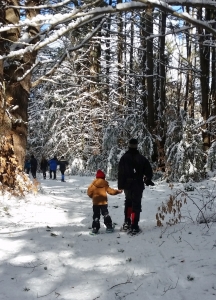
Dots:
(46, 251)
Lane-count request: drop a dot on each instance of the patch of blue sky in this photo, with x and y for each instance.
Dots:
(179, 22)
(177, 8)
(114, 2)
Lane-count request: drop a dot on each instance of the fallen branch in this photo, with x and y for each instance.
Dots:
(119, 284)
(46, 294)
(170, 288)
(188, 244)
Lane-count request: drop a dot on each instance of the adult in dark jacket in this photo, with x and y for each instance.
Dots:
(33, 163)
(62, 166)
(53, 166)
(132, 168)
(44, 166)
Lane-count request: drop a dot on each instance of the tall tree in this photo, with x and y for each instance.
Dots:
(142, 54)
(189, 92)
(150, 69)
(160, 101)
(16, 73)
(120, 51)
(204, 51)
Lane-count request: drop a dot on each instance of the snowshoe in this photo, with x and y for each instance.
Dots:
(125, 227)
(94, 231)
(134, 231)
(110, 229)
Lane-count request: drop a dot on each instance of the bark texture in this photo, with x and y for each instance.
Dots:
(15, 78)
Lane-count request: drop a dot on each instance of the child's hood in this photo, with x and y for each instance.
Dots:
(100, 183)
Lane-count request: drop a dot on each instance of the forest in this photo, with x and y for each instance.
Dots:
(80, 78)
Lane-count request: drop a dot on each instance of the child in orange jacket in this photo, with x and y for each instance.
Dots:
(98, 190)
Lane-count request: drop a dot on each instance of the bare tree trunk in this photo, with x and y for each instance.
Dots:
(150, 70)
(213, 84)
(108, 56)
(95, 89)
(163, 63)
(179, 85)
(162, 95)
(189, 93)
(204, 80)
(120, 51)
(143, 65)
(131, 71)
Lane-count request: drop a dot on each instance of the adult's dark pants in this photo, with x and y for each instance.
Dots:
(133, 206)
(62, 174)
(54, 174)
(33, 171)
(27, 170)
(44, 173)
(97, 211)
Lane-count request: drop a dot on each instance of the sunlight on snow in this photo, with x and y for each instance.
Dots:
(22, 259)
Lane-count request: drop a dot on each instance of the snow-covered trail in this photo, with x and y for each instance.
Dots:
(46, 250)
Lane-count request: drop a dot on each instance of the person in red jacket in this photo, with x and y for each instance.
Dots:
(98, 190)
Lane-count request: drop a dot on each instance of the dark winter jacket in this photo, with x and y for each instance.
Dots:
(44, 164)
(132, 168)
(62, 164)
(98, 190)
(53, 164)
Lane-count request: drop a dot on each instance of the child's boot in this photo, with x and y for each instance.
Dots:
(108, 223)
(95, 225)
(127, 223)
(135, 216)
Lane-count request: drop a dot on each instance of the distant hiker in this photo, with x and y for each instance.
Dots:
(27, 165)
(33, 162)
(98, 190)
(62, 166)
(132, 168)
(53, 166)
(44, 166)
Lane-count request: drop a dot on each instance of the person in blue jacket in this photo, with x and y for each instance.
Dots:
(27, 165)
(53, 166)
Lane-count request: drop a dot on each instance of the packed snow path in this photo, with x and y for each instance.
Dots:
(46, 251)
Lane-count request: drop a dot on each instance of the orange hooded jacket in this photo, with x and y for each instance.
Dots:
(98, 190)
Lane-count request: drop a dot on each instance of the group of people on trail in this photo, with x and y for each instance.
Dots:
(52, 164)
(134, 172)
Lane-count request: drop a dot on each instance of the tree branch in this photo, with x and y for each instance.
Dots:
(78, 18)
(51, 72)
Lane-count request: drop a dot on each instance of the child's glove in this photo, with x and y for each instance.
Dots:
(149, 182)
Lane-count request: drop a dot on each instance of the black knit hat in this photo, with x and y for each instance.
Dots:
(133, 143)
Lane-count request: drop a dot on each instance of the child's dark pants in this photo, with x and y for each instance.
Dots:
(97, 211)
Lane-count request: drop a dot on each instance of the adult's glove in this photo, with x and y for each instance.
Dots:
(149, 182)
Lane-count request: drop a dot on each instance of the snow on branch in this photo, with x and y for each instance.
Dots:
(87, 38)
(79, 17)
(41, 6)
